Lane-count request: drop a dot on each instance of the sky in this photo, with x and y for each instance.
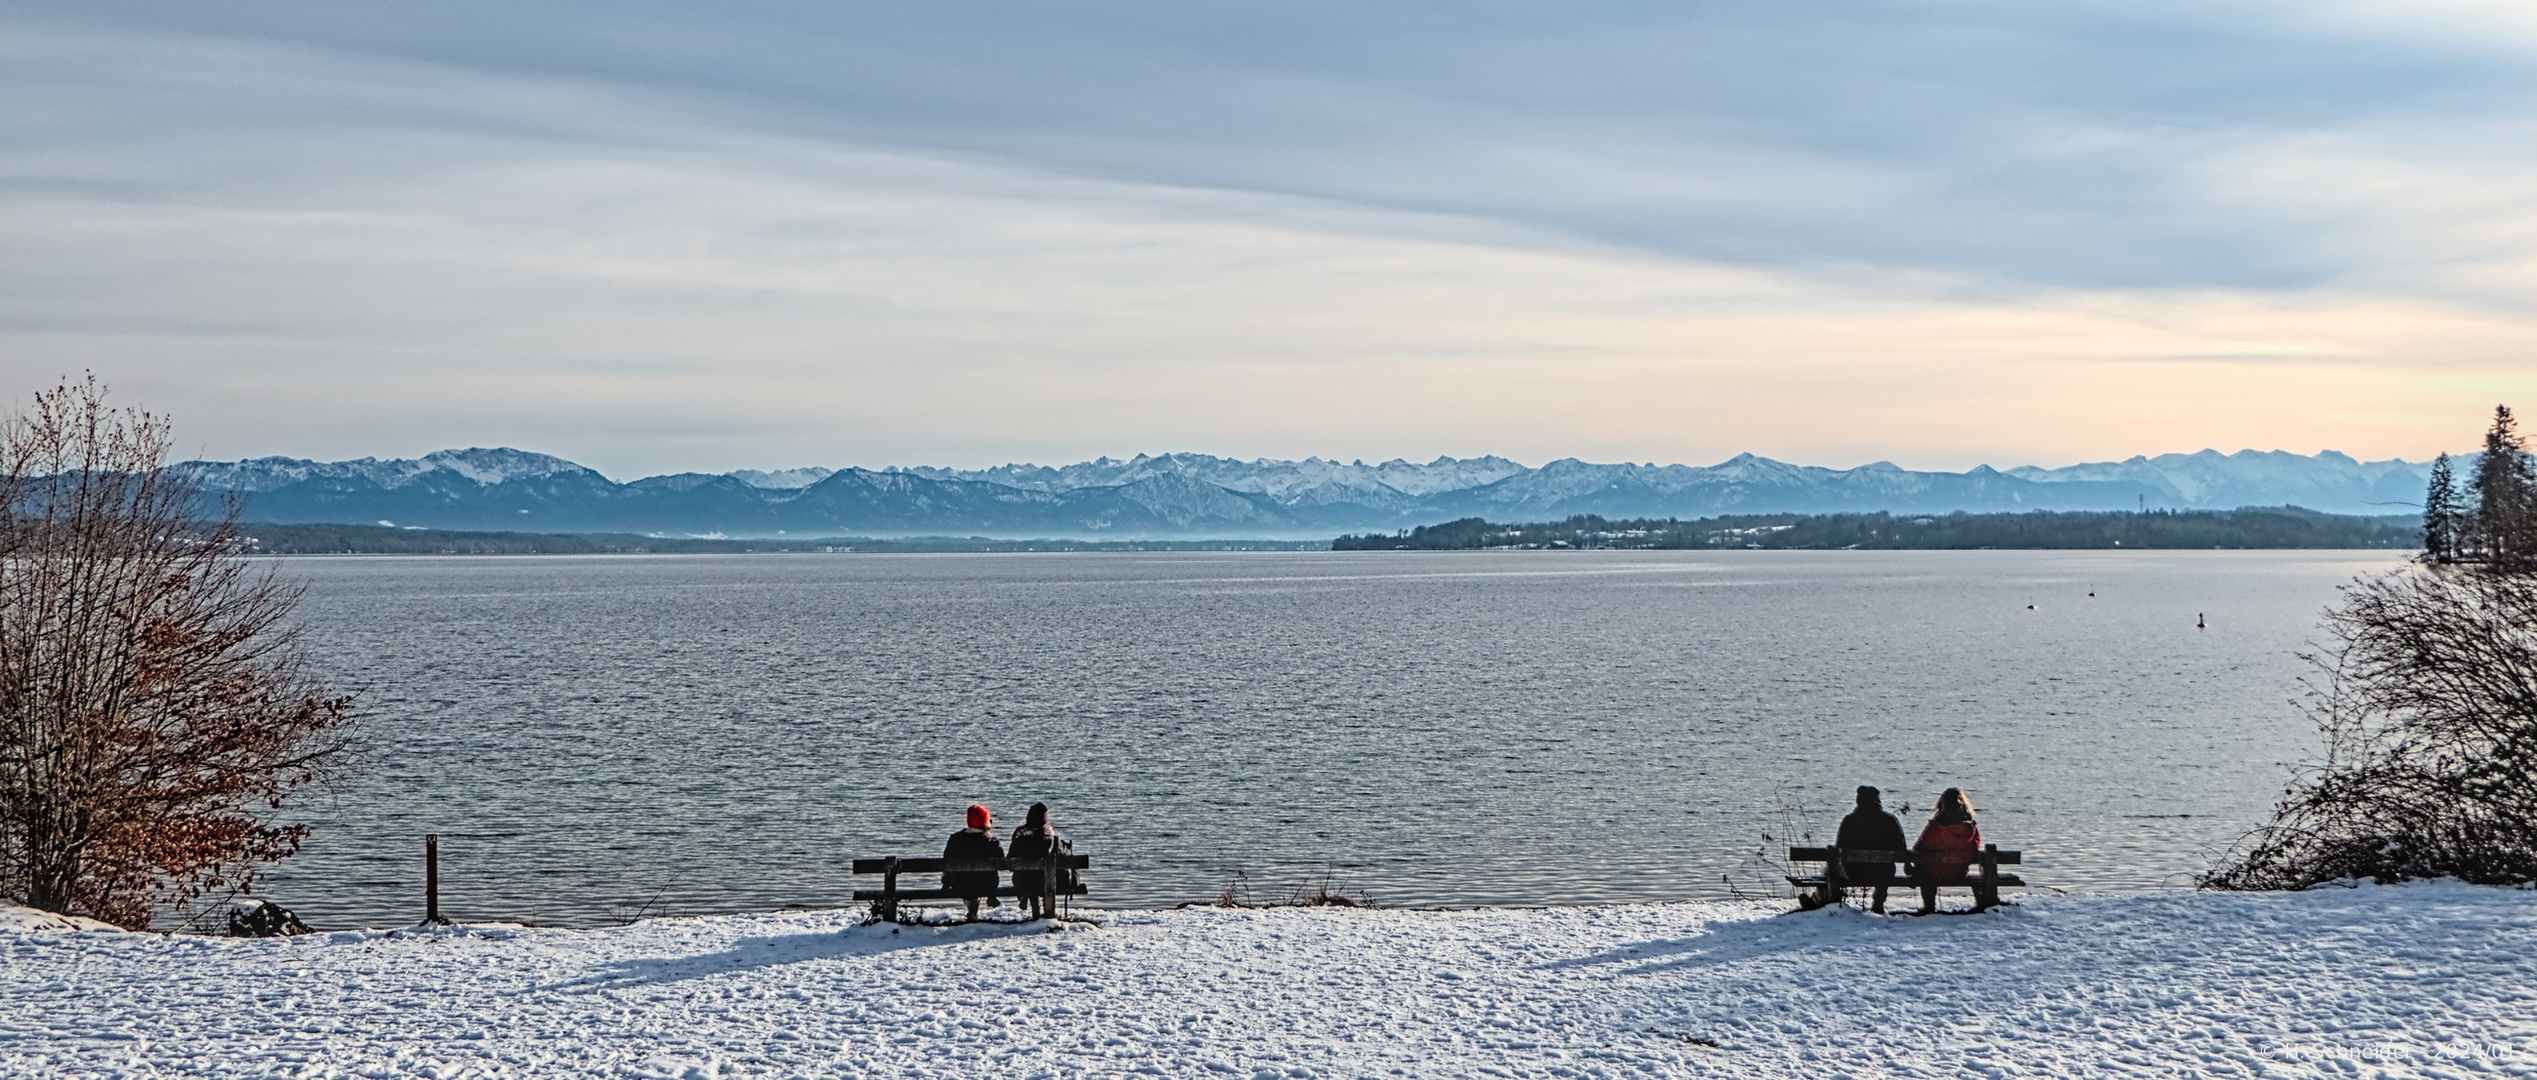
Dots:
(657, 237)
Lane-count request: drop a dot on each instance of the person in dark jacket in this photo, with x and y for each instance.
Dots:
(975, 842)
(1036, 839)
(1870, 828)
(1948, 844)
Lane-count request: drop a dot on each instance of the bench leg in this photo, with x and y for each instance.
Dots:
(1986, 889)
(1836, 881)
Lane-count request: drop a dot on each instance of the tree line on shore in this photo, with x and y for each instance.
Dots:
(2494, 519)
(2250, 527)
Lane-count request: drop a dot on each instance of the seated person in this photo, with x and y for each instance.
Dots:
(1948, 844)
(1870, 828)
(975, 842)
(1037, 839)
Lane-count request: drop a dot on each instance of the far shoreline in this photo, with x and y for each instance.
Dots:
(2244, 529)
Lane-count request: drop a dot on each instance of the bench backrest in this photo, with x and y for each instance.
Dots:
(1827, 854)
(969, 866)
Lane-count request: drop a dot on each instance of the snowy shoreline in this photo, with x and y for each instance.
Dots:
(2426, 979)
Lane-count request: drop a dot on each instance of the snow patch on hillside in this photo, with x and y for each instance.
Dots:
(782, 479)
(499, 465)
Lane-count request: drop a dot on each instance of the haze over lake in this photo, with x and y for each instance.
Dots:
(593, 737)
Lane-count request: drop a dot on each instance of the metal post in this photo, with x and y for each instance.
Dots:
(431, 880)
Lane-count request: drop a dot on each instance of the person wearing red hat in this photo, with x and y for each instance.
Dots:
(975, 842)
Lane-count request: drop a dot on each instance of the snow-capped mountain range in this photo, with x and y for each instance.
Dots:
(1196, 495)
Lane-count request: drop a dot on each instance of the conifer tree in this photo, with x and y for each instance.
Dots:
(2441, 514)
(2505, 485)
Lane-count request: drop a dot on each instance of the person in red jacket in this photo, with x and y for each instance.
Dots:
(1948, 844)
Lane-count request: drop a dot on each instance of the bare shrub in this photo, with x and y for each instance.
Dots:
(153, 707)
(2427, 700)
(1764, 871)
(1326, 893)
(1236, 892)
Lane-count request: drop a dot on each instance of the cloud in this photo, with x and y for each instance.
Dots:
(667, 242)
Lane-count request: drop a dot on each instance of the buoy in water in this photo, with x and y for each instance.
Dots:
(2197, 621)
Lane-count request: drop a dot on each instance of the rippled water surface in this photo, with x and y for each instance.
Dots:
(597, 737)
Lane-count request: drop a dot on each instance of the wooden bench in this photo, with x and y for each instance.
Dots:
(1830, 887)
(889, 894)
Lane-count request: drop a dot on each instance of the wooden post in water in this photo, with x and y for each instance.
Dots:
(431, 880)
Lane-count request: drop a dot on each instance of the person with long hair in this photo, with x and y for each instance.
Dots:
(1948, 844)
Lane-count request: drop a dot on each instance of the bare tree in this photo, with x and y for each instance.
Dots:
(154, 711)
(2426, 696)
(2427, 699)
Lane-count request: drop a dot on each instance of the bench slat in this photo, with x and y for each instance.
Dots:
(936, 866)
(946, 894)
(1859, 855)
(2005, 881)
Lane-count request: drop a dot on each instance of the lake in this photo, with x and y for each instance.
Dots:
(595, 738)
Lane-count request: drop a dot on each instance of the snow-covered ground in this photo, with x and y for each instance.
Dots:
(2423, 980)
(20, 918)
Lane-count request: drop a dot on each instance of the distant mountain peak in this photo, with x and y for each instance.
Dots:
(1192, 494)
(499, 464)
